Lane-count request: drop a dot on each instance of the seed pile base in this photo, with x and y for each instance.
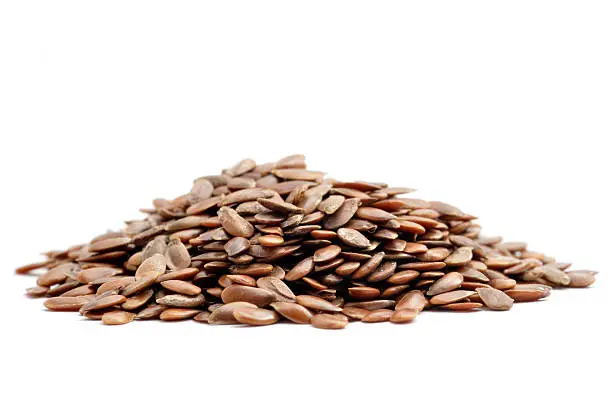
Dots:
(262, 243)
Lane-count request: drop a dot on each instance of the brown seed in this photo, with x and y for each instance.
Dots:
(526, 294)
(91, 274)
(376, 316)
(326, 254)
(372, 304)
(355, 313)
(462, 306)
(503, 284)
(271, 240)
(369, 266)
(280, 206)
(461, 256)
(328, 321)
(331, 204)
(117, 317)
(412, 300)
(293, 311)
(450, 297)
(255, 317)
(152, 267)
(202, 317)
(65, 304)
(181, 300)
(316, 303)
(363, 292)
(495, 299)
(175, 314)
(254, 269)
(343, 214)
(181, 274)
(374, 214)
(281, 291)
(37, 291)
(448, 282)
(238, 293)
(182, 287)
(301, 269)
(353, 238)
(404, 315)
(403, 277)
(108, 244)
(234, 224)
(103, 303)
(224, 314)
(151, 311)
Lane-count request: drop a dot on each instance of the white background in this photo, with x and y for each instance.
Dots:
(502, 108)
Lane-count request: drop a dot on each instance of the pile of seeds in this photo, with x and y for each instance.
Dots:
(261, 243)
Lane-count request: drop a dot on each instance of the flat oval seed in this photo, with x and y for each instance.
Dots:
(255, 317)
(103, 303)
(316, 303)
(236, 246)
(353, 238)
(224, 314)
(276, 286)
(234, 224)
(301, 269)
(293, 311)
(404, 316)
(343, 214)
(376, 316)
(175, 314)
(448, 282)
(328, 321)
(326, 254)
(65, 304)
(271, 240)
(117, 317)
(182, 287)
(238, 293)
(451, 297)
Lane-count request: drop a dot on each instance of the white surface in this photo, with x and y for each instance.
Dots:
(501, 109)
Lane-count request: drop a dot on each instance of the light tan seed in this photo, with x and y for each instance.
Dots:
(152, 267)
(138, 300)
(502, 284)
(175, 314)
(181, 274)
(37, 291)
(224, 314)
(255, 317)
(181, 300)
(117, 317)
(110, 243)
(495, 299)
(331, 204)
(461, 256)
(293, 311)
(91, 274)
(526, 294)
(177, 255)
(462, 306)
(316, 303)
(376, 316)
(581, 279)
(372, 304)
(328, 321)
(234, 224)
(202, 317)
(448, 282)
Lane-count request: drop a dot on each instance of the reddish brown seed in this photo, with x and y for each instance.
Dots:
(450, 297)
(177, 255)
(374, 214)
(503, 284)
(326, 254)
(526, 294)
(103, 302)
(183, 287)
(37, 291)
(404, 315)
(117, 317)
(316, 303)
(202, 317)
(412, 300)
(328, 321)
(376, 316)
(175, 314)
(181, 274)
(347, 268)
(91, 274)
(271, 240)
(254, 269)
(448, 282)
(238, 293)
(355, 313)
(293, 311)
(363, 293)
(369, 266)
(245, 280)
(65, 304)
(151, 311)
(224, 314)
(152, 267)
(281, 291)
(301, 269)
(343, 214)
(108, 244)
(462, 306)
(403, 277)
(255, 317)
